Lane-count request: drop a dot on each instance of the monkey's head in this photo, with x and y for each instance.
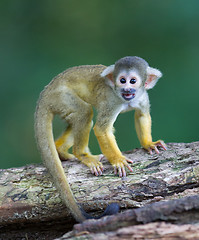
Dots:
(130, 75)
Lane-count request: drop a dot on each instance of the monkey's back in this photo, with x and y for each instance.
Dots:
(85, 74)
(85, 81)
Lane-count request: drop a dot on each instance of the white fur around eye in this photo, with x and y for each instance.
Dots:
(128, 75)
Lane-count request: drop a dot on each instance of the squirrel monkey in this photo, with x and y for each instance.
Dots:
(72, 94)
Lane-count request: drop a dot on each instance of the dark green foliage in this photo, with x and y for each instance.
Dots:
(39, 39)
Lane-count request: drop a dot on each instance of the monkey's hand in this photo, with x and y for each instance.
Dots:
(93, 162)
(119, 165)
(111, 151)
(154, 146)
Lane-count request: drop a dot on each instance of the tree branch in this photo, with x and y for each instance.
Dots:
(28, 196)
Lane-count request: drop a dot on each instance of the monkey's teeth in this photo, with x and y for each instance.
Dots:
(128, 95)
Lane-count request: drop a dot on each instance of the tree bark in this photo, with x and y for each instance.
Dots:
(27, 196)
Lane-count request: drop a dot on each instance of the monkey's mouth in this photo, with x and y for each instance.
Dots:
(128, 95)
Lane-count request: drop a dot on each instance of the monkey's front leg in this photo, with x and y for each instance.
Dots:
(143, 129)
(110, 149)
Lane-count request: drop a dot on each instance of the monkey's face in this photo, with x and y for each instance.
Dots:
(127, 84)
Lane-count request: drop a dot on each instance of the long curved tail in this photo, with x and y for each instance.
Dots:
(46, 145)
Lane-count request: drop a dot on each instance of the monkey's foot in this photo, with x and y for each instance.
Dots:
(119, 165)
(93, 162)
(65, 155)
(154, 146)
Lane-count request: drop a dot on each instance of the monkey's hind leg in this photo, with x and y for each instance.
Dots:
(81, 130)
(64, 143)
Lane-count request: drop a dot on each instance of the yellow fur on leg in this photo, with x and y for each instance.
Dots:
(81, 149)
(110, 149)
(63, 143)
(143, 129)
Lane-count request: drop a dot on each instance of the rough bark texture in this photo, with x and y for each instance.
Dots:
(28, 199)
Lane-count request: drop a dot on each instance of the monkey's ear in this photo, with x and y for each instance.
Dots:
(108, 73)
(153, 75)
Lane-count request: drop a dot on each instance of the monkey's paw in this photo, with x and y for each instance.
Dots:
(65, 156)
(120, 164)
(154, 146)
(93, 162)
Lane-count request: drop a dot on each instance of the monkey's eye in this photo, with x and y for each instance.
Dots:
(123, 80)
(133, 81)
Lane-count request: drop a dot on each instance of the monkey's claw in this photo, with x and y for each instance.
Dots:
(156, 144)
(97, 170)
(94, 164)
(119, 167)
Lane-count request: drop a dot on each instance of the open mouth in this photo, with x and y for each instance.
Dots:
(128, 96)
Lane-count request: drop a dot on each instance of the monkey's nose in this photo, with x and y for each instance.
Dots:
(129, 91)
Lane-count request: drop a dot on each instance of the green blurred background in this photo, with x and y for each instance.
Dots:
(41, 38)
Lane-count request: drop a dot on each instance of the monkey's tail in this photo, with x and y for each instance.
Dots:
(46, 146)
(111, 209)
